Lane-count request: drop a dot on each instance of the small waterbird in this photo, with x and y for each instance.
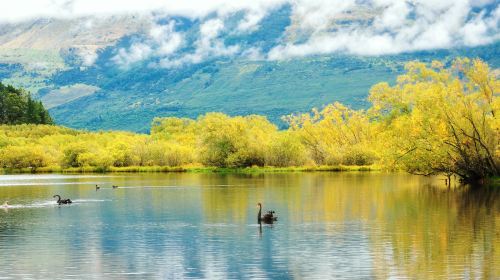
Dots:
(97, 188)
(268, 218)
(62, 201)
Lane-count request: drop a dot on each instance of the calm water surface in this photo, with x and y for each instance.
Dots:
(331, 226)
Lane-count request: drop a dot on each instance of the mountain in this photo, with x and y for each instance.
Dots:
(106, 73)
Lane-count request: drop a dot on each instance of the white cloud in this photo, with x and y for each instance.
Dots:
(162, 40)
(394, 16)
(137, 52)
(393, 26)
(27, 9)
(251, 21)
(475, 32)
(317, 15)
(369, 27)
(253, 53)
(88, 57)
(208, 45)
(167, 40)
(255, 13)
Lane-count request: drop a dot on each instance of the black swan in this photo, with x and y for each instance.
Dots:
(268, 218)
(62, 201)
(97, 187)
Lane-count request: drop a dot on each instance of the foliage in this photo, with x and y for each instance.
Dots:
(437, 120)
(17, 107)
(285, 150)
(32, 156)
(335, 135)
(234, 142)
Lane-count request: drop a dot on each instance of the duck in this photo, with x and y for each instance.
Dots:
(97, 188)
(62, 201)
(115, 187)
(5, 204)
(268, 218)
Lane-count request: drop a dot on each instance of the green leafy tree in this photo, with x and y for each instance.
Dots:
(17, 107)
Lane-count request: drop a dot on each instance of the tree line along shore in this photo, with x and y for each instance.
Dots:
(436, 119)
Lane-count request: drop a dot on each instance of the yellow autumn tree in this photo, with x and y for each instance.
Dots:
(234, 141)
(440, 120)
(335, 135)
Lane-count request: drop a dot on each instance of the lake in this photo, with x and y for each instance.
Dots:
(188, 225)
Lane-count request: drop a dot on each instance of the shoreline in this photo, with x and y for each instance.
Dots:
(491, 181)
(192, 169)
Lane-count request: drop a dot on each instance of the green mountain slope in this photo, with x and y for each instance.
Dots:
(237, 88)
(130, 100)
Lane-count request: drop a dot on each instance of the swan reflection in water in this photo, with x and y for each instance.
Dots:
(260, 228)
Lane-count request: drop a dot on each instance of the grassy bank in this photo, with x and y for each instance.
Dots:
(193, 169)
(494, 181)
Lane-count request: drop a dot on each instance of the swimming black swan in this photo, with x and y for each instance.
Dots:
(62, 201)
(268, 218)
